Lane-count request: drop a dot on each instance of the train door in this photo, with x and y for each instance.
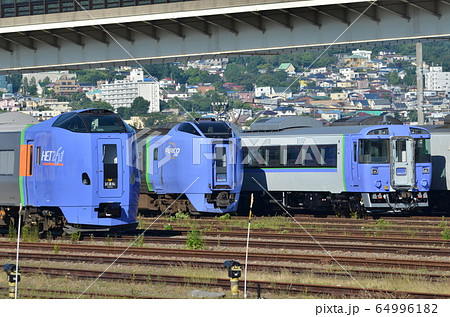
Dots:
(110, 171)
(223, 176)
(402, 163)
(154, 164)
(354, 162)
(28, 172)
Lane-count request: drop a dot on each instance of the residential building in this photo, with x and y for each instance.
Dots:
(65, 86)
(355, 61)
(436, 79)
(286, 67)
(42, 115)
(363, 53)
(9, 105)
(121, 93)
(167, 83)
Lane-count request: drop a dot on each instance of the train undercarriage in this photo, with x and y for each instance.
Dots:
(173, 203)
(43, 219)
(356, 205)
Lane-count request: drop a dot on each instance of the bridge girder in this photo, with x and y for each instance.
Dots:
(188, 30)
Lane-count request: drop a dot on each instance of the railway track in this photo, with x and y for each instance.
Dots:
(39, 293)
(287, 242)
(223, 283)
(359, 261)
(216, 264)
(337, 226)
(279, 250)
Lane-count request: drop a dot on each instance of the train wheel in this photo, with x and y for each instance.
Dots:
(356, 207)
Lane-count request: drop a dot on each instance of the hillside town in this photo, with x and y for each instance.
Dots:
(359, 83)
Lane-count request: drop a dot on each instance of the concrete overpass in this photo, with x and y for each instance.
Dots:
(81, 34)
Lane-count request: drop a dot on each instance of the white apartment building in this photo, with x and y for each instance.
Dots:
(363, 53)
(437, 80)
(121, 93)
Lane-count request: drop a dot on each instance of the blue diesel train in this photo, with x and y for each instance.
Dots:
(351, 168)
(76, 170)
(193, 167)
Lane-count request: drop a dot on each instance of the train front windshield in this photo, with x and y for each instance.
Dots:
(93, 122)
(374, 151)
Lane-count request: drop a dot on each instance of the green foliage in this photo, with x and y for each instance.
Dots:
(446, 234)
(139, 107)
(30, 233)
(225, 217)
(393, 78)
(168, 227)
(195, 240)
(56, 249)
(75, 236)
(12, 232)
(382, 223)
(139, 241)
(443, 223)
(180, 216)
(92, 76)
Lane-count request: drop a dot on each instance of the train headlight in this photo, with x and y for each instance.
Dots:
(374, 171)
(426, 170)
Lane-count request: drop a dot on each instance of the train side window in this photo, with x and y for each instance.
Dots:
(155, 154)
(355, 149)
(292, 153)
(38, 155)
(273, 156)
(30, 161)
(6, 162)
(311, 155)
(253, 156)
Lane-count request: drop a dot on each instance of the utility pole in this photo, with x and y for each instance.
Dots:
(419, 72)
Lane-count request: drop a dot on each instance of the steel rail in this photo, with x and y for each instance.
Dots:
(290, 288)
(362, 261)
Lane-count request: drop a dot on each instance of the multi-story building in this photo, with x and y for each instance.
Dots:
(65, 86)
(437, 80)
(121, 93)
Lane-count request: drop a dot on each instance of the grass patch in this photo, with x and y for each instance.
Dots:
(195, 240)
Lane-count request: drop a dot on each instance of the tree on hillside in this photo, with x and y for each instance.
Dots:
(139, 107)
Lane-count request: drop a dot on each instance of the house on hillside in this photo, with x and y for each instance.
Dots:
(286, 67)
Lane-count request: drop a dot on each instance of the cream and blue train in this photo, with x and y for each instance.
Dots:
(357, 166)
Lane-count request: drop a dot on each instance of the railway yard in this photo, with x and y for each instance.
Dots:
(182, 257)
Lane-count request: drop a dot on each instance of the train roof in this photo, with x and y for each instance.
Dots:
(366, 120)
(15, 121)
(283, 123)
(328, 130)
